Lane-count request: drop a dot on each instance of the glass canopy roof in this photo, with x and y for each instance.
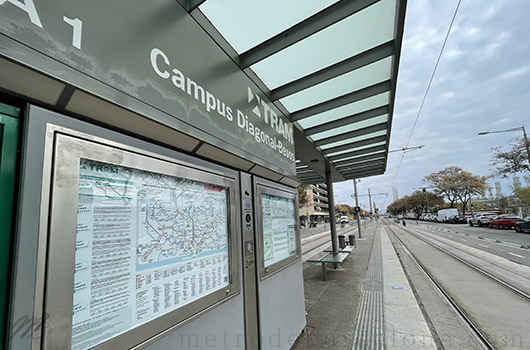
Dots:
(330, 65)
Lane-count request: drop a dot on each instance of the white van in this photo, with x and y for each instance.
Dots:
(444, 214)
(344, 219)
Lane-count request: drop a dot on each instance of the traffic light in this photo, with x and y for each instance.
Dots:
(471, 204)
(424, 190)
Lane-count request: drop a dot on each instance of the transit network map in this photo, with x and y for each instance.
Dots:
(179, 219)
(279, 230)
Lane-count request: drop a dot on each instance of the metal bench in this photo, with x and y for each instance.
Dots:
(330, 259)
(348, 249)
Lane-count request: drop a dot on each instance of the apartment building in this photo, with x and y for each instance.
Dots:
(317, 207)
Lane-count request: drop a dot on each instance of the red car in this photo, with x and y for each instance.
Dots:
(503, 221)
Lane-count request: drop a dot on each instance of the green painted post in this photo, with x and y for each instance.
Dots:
(9, 127)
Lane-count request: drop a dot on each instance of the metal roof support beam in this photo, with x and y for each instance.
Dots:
(319, 21)
(340, 101)
(354, 118)
(363, 59)
(312, 180)
(364, 171)
(348, 135)
(193, 4)
(355, 144)
(359, 153)
(358, 159)
(363, 163)
(361, 168)
(366, 174)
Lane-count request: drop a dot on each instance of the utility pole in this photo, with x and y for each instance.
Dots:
(357, 216)
(526, 142)
(370, 198)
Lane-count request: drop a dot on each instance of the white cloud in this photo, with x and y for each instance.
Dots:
(515, 73)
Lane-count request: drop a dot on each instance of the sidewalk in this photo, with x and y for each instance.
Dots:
(368, 304)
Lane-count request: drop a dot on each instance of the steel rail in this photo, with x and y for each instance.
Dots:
(506, 285)
(466, 320)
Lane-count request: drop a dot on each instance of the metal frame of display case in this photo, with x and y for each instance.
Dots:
(64, 149)
(262, 186)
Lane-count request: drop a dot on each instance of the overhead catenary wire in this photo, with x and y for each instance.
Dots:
(428, 87)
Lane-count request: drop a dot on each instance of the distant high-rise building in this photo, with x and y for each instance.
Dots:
(498, 189)
(516, 182)
(395, 193)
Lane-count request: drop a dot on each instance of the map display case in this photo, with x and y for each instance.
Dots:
(278, 233)
(138, 244)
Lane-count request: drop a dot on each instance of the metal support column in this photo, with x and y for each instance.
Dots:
(331, 203)
(358, 216)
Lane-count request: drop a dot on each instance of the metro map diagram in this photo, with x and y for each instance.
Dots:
(179, 219)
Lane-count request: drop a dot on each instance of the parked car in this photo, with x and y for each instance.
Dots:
(457, 219)
(523, 225)
(481, 219)
(504, 221)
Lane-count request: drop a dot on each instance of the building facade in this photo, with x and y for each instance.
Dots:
(317, 207)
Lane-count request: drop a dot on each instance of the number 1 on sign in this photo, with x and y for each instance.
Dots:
(77, 26)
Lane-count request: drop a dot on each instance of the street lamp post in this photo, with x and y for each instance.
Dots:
(509, 130)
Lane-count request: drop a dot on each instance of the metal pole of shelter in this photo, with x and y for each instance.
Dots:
(331, 203)
(358, 216)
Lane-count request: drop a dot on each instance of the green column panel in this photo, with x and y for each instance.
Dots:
(9, 127)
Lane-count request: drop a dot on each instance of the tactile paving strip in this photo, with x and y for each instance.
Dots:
(369, 324)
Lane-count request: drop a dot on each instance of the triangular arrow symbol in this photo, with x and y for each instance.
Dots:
(250, 94)
(256, 111)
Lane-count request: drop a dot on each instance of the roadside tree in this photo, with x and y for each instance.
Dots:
(440, 184)
(457, 185)
(303, 198)
(523, 194)
(512, 161)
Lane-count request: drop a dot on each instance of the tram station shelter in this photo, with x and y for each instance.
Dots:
(150, 154)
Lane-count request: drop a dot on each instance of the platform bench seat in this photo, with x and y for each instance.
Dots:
(330, 259)
(348, 249)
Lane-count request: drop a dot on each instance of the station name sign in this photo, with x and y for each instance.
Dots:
(155, 53)
(162, 66)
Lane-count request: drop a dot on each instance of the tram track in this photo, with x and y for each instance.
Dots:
(475, 329)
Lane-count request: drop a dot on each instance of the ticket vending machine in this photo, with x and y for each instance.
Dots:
(280, 286)
(273, 280)
(9, 128)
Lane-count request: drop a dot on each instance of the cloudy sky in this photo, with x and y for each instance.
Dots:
(482, 84)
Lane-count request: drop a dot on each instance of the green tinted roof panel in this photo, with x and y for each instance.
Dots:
(353, 35)
(349, 109)
(352, 81)
(261, 20)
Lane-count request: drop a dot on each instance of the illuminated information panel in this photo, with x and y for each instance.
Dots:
(279, 230)
(148, 244)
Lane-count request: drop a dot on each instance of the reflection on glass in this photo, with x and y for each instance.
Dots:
(279, 228)
(146, 244)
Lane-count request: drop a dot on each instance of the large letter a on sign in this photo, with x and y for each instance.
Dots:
(29, 7)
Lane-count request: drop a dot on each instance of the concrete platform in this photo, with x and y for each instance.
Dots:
(368, 304)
